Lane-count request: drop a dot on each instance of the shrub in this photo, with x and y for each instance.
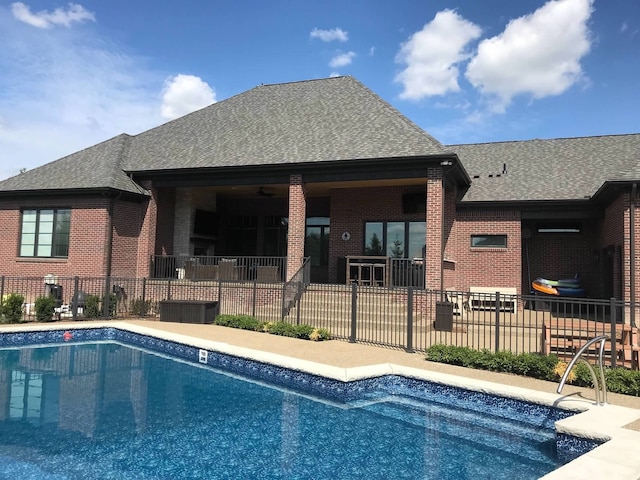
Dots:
(320, 334)
(45, 308)
(140, 307)
(619, 380)
(244, 322)
(12, 308)
(284, 329)
(92, 306)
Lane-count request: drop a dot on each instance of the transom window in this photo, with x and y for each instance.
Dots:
(45, 233)
(395, 239)
(489, 241)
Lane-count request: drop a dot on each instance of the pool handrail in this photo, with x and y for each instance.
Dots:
(597, 385)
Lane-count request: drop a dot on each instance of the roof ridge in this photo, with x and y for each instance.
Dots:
(544, 139)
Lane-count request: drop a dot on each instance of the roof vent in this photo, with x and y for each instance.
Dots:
(504, 168)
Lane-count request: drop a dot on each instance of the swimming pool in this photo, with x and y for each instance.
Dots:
(122, 412)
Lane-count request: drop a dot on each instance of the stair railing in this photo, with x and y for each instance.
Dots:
(600, 386)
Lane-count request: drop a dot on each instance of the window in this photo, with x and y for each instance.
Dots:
(317, 240)
(395, 239)
(489, 241)
(45, 233)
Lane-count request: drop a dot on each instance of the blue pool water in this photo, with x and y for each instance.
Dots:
(107, 410)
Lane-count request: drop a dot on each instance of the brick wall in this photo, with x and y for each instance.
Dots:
(350, 208)
(127, 223)
(87, 238)
(297, 218)
(434, 236)
(485, 267)
(147, 238)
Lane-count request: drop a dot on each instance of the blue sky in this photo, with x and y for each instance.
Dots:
(74, 74)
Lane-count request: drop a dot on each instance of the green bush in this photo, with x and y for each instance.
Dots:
(12, 308)
(92, 306)
(619, 380)
(284, 329)
(243, 322)
(140, 307)
(45, 308)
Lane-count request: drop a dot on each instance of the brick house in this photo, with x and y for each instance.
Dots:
(327, 169)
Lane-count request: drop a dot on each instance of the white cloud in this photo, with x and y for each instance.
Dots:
(372, 51)
(45, 19)
(537, 54)
(342, 60)
(184, 94)
(624, 27)
(431, 56)
(330, 35)
(64, 90)
(332, 75)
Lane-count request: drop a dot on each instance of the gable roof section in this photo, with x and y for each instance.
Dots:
(94, 168)
(543, 170)
(311, 121)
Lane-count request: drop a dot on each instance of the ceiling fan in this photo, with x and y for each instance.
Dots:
(262, 193)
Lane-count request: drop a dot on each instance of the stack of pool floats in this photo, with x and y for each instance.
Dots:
(569, 287)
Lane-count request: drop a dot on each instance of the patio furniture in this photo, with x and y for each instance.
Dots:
(228, 269)
(368, 270)
(267, 274)
(201, 272)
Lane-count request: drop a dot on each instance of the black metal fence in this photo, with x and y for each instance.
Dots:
(408, 318)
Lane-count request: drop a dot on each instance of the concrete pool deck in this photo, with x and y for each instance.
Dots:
(620, 420)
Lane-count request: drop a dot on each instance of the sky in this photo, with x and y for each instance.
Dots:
(465, 71)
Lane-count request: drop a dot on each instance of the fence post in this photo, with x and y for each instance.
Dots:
(410, 320)
(614, 341)
(169, 289)
(497, 335)
(220, 295)
(144, 296)
(74, 301)
(354, 302)
(255, 289)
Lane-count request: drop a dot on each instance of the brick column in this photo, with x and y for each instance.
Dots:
(147, 238)
(434, 220)
(297, 217)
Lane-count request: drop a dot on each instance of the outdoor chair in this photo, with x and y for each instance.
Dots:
(227, 269)
(267, 274)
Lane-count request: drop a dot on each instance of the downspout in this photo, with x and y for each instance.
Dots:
(632, 252)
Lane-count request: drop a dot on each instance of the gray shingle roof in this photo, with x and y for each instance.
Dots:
(309, 121)
(557, 169)
(96, 167)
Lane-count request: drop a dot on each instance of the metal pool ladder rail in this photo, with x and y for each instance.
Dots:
(599, 386)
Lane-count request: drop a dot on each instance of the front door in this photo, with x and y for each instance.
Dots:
(317, 248)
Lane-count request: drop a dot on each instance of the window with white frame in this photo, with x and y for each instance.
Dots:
(45, 233)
